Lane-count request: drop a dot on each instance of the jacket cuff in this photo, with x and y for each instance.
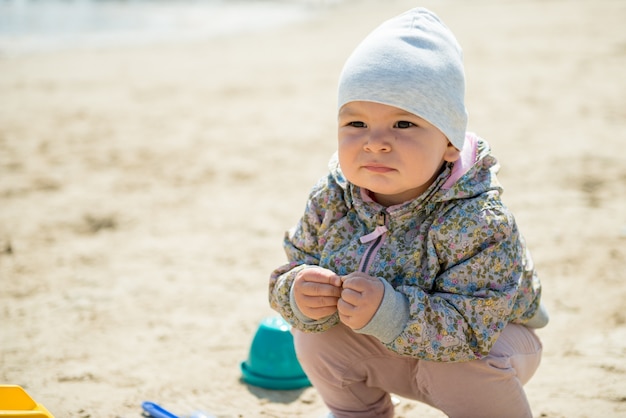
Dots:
(391, 317)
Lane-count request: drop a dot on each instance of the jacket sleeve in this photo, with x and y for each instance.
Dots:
(480, 270)
(302, 247)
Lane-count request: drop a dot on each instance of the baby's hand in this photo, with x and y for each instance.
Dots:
(360, 298)
(316, 291)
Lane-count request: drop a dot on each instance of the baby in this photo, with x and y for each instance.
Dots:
(407, 274)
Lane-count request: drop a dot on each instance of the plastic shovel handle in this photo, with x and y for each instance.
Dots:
(156, 411)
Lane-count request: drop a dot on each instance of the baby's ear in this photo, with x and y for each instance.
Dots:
(452, 153)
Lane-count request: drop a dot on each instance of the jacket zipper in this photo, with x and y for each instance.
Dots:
(381, 220)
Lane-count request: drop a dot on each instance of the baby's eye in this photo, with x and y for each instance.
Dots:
(357, 124)
(403, 124)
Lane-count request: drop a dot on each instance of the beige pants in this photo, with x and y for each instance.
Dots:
(355, 375)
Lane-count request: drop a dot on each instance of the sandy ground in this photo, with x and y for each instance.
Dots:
(144, 192)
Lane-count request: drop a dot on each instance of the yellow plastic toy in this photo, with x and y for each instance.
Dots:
(16, 403)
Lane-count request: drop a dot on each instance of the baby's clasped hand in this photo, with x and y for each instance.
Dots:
(316, 291)
(360, 298)
(320, 292)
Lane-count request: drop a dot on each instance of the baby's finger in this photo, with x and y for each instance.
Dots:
(359, 283)
(320, 289)
(317, 313)
(350, 296)
(345, 308)
(316, 302)
(319, 275)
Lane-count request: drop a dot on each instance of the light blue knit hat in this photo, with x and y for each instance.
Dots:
(412, 62)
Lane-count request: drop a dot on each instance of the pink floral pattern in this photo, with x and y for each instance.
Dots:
(456, 254)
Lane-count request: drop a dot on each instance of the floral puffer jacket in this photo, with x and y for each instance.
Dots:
(455, 267)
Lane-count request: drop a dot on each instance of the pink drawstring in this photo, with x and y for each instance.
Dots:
(380, 230)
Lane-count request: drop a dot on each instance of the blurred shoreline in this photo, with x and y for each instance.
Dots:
(31, 26)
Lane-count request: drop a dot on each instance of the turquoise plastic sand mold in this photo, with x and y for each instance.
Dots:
(272, 361)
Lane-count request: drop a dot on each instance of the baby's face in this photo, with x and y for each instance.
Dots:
(394, 154)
